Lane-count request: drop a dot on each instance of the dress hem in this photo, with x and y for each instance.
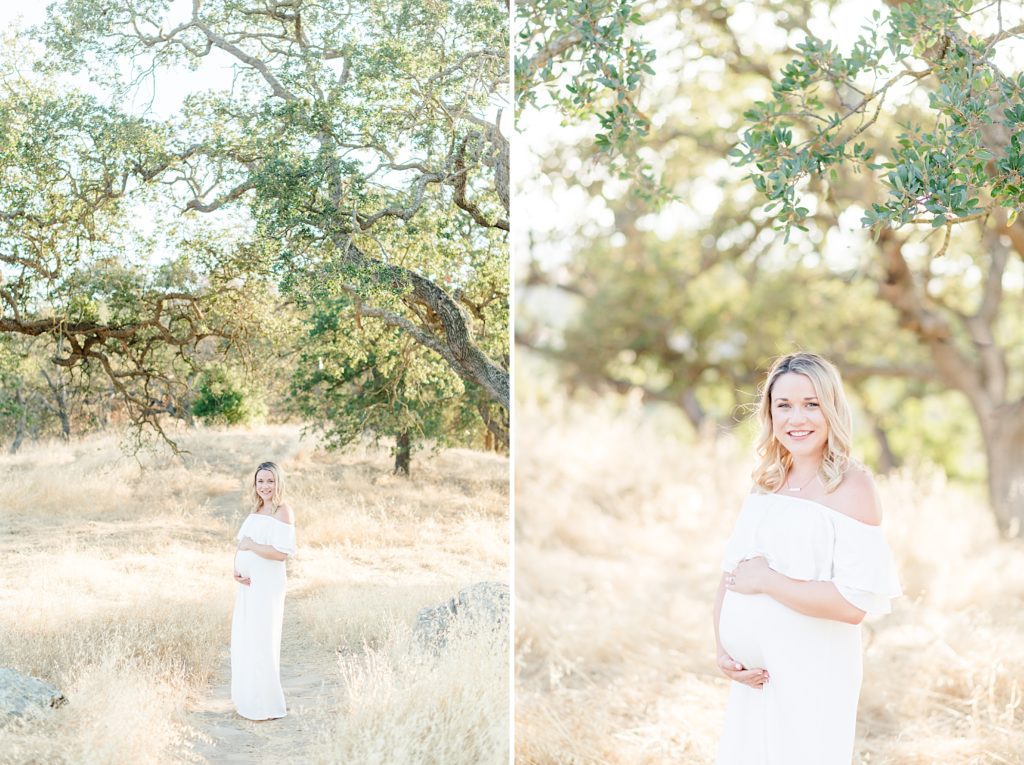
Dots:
(261, 719)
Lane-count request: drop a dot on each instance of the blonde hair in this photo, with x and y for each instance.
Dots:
(775, 459)
(278, 498)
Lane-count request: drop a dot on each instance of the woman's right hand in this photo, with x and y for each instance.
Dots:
(243, 579)
(732, 669)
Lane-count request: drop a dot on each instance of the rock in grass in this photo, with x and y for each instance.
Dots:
(24, 697)
(484, 605)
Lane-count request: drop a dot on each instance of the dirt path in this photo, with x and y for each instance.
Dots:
(310, 681)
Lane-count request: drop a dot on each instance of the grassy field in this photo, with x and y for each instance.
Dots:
(619, 531)
(116, 587)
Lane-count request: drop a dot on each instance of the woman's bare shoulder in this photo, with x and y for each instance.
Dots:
(285, 513)
(857, 496)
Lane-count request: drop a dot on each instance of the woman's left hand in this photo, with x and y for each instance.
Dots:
(750, 577)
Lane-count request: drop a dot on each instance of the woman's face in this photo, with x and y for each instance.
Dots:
(265, 485)
(797, 420)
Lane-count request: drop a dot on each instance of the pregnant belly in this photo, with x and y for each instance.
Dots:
(761, 633)
(742, 625)
(245, 562)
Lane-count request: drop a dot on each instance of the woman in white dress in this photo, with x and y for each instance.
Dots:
(265, 541)
(805, 563)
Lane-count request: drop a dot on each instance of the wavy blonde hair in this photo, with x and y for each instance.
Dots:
(775, 459)
(278, 499)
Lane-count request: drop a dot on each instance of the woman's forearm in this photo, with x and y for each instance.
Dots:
(267, 551)
(820, 599)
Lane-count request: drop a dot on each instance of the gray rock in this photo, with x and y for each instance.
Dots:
(24, 697)
(484, 605)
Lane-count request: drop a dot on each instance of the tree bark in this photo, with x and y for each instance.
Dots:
(497, 427)
(978, 373)
(403, 453)
(1004, 448)
(451, 340)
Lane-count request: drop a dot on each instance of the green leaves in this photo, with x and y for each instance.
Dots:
(356, 376)
(939, 176)
(583, 57)
(222, 397)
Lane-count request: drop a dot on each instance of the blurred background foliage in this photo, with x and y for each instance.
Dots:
(771, 213)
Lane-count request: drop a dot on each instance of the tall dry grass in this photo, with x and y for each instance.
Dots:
(403, 703)
(620, 525)
(116, 579)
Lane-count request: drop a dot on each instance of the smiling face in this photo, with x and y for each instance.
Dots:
(265, 485)
(798, 422)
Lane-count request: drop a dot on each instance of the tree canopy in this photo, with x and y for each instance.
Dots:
(344, 131)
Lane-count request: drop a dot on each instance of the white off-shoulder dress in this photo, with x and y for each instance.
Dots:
(256, 624)
(807, 711)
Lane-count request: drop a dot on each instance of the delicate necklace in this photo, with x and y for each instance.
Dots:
(799, 488)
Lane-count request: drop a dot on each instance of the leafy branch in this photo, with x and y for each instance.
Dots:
(969, 162)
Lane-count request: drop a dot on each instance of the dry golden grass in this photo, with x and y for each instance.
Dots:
(620, 525)
(116, 585)
(404, 704)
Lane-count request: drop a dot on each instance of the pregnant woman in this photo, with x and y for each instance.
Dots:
(806, 561)
(266, 539)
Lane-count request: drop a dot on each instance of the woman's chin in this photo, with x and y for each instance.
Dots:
(804, 450)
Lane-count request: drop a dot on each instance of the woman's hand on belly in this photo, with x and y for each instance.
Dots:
(243, 579)
(750, 577)
(732, 669)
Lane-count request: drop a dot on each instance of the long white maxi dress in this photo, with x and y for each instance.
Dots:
(256, 624)
(807, 711)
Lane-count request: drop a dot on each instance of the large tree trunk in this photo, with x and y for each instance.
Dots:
(497, 426)
(979, 371)
(1004, 447)
(452, 339)
(403, 453)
